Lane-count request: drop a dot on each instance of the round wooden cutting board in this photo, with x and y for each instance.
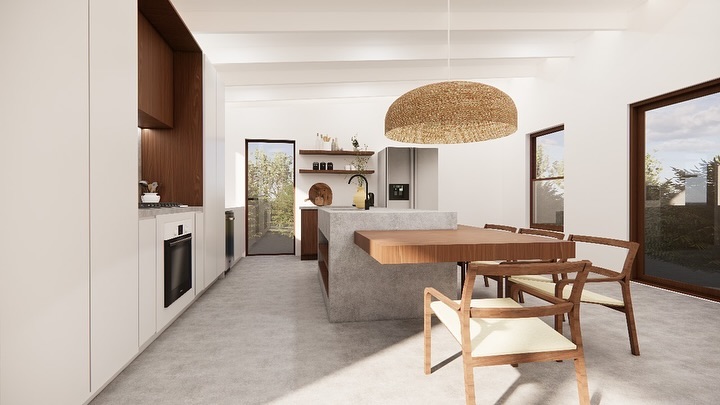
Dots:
(320, 194)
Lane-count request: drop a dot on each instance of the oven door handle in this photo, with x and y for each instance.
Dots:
(180, 239)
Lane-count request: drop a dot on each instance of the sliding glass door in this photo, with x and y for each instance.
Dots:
(676, 213)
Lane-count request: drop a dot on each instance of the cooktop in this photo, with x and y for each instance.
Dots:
(161, 205)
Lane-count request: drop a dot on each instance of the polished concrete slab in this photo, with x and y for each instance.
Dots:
(261, 336)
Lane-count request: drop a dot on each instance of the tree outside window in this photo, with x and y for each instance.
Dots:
(547, 178)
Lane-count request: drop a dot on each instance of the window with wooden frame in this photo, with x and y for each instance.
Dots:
(547, 178)
(675, 189)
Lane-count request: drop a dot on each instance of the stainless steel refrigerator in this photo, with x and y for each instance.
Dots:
(408, 178)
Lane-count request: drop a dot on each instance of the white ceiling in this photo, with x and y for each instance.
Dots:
(295, 49)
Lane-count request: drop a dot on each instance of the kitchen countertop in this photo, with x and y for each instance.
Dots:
(153, 212)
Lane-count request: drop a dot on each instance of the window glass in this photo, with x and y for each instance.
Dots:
(549, 202)
(549, 155)
(548, 179)
(682, 154)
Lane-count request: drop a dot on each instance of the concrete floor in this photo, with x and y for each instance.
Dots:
(261, 336)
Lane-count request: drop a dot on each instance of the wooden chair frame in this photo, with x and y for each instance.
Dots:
(599, 275)
(498, 227)
(502, 289)
(557, 306)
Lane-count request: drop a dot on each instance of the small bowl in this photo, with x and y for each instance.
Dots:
(150, 198)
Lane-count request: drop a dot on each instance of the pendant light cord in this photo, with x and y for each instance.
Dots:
(448, 40)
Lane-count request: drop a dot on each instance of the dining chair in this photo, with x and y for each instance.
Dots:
(496, 331)
(625, 251)
(498, 227)
(501, 289)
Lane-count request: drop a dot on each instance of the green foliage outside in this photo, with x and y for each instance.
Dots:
(270, 179)
(681, 233)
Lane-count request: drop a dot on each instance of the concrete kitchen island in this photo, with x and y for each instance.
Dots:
(358, 288)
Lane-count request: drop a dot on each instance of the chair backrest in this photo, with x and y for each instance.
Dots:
(542, 232)
(501, 227)
(581, 268)
(631, 247)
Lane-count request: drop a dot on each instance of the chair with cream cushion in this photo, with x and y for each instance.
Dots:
(529, 231)
(625, 251)
(497, 331)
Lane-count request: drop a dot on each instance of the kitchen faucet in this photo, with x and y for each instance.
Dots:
(367, 187)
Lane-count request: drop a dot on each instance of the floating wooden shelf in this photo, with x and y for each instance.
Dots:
(337, 152)
(336, 171)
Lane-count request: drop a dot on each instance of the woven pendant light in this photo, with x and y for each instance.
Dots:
(451, 112)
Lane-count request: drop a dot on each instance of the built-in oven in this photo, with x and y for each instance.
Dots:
(177, 260)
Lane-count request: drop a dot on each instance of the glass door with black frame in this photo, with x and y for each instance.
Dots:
(270, 197)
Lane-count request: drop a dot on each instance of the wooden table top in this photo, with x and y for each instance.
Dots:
(465, 244)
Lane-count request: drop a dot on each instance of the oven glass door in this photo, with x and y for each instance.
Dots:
(178, 267)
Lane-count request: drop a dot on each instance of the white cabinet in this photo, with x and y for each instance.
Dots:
(199, 253)
(113, 188)
(213, 172)
(147, 261)
(56, 105)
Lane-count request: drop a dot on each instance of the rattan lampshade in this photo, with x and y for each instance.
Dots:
(451, 112)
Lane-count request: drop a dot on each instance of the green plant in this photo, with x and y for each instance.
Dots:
(359, 162)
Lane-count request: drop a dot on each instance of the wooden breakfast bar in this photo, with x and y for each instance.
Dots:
(464, 244)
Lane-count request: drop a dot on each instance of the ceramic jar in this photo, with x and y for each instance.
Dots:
(359, 198)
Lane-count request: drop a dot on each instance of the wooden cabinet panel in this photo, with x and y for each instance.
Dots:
(308, 234)
(155, 78)
(174, 157)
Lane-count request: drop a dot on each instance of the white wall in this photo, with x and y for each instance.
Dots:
(464, 185)
(670, 45)
(301, 121)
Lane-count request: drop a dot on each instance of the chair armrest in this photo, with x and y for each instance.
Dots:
(441, 297)
(610, 274)
(522, 312)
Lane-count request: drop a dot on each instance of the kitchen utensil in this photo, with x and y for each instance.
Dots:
(321, 190)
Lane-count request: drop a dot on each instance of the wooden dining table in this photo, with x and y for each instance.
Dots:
(462, 245)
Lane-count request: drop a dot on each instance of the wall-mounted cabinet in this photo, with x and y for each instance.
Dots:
(155, 78)
(171, 154)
